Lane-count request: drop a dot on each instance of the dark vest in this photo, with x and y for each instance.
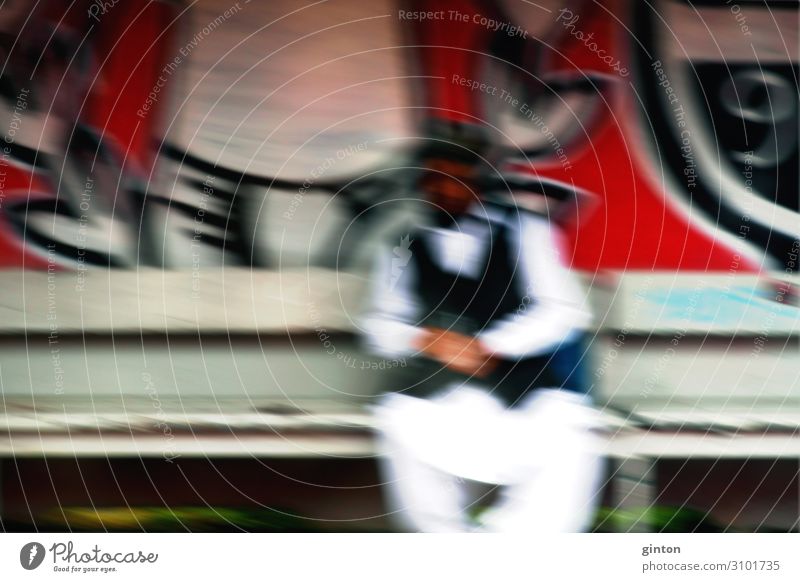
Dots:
(469, 305)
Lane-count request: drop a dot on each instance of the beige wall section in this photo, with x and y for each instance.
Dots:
(242, 316)
(277, 87)
(222, 367)
(241, 300)
(207, 299)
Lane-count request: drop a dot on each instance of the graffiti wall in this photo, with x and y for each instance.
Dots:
(264, 134)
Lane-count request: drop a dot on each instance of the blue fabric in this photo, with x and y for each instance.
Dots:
(566, 368)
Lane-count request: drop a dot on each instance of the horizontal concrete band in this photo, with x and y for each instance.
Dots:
(237, 300)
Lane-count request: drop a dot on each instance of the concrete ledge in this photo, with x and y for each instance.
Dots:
(241, 300)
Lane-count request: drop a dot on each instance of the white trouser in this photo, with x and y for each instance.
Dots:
(544, 455)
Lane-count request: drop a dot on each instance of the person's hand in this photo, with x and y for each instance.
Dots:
(435, 342)
(472, 359)
(458, 352)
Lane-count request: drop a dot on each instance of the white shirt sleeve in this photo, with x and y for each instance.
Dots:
(554, 305)
(389, 325)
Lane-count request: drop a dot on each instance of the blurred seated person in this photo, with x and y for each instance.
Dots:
(480, 301)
